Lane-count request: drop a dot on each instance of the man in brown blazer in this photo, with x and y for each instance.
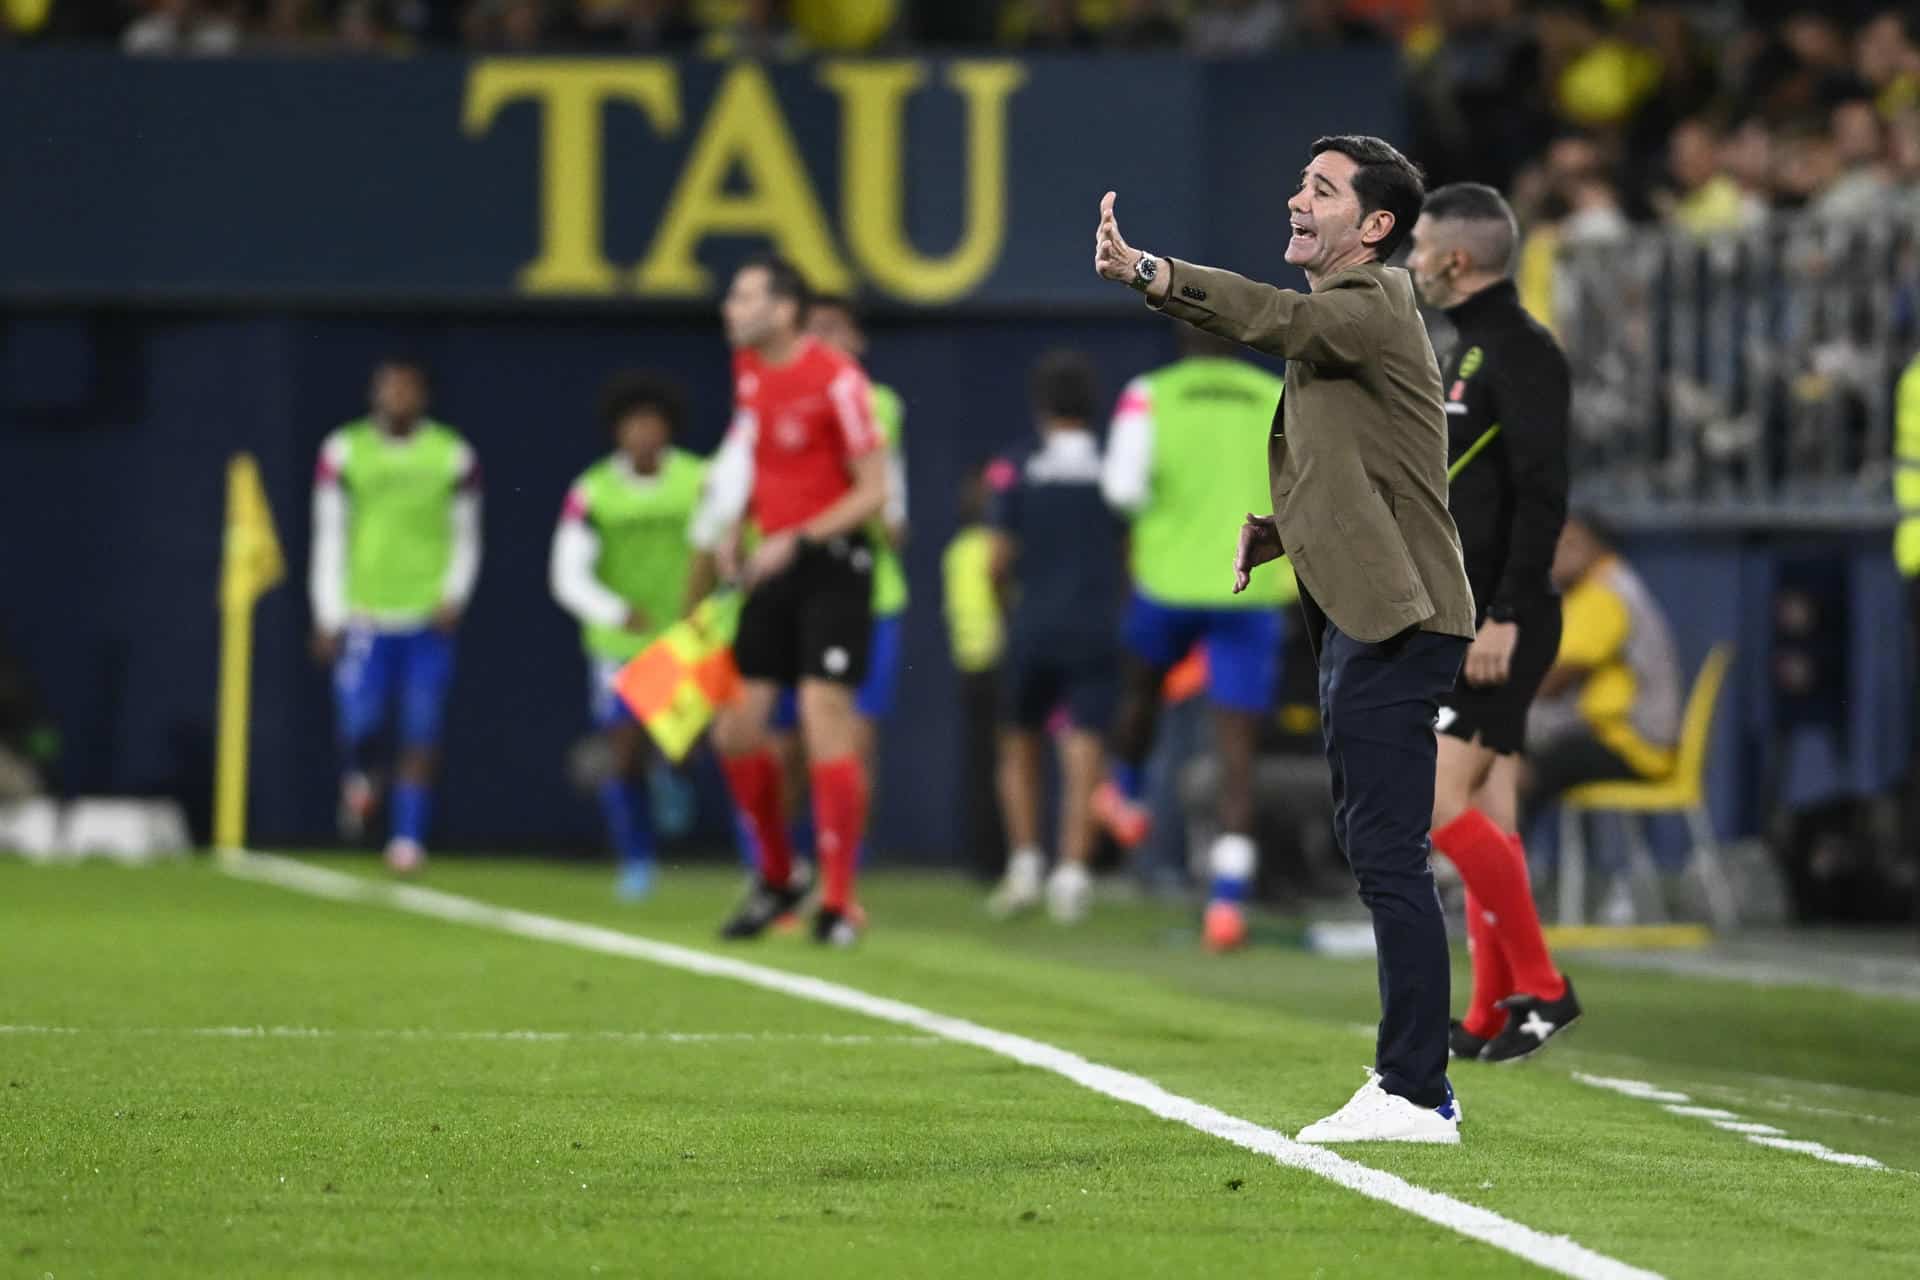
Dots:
(1358, 465)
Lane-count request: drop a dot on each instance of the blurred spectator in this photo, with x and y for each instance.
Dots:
(1886, 56)
(1145, 24)
(1747, 156)
(202, 28)
(1859, 151)
(1805, 164)
(1318, 23)
(1705, 199)
(1045, 25)
(753, 29)
(507, 26)
(1609, 709)
(844, 26)
(1236, 28)
(639, 26)
(1597, 79)
(1480, 107)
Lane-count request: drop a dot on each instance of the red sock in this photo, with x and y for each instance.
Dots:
(840, 820)
(755, 782)
(1494, 867)
(1492, 978)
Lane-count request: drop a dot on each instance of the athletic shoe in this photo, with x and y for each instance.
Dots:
(1374, 1115)
(1124, 818)
(1224, 927)
(1069, 893)
(358, 799)
(1462, 1043)
(836, 929)
(763, 905)
(1531, 1022)
(635, 882)
(405, 857)
(1020, 889)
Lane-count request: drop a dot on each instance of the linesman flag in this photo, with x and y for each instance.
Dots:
(674, 685)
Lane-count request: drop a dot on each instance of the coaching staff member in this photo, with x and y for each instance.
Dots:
(1358, 469)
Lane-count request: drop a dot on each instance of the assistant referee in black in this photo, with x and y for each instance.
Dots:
(1507, 392)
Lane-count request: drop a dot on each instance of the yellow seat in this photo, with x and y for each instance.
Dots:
(1682, 791)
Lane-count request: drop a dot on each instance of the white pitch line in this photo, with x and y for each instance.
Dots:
(504, 1037)
(1764, 1135)
(1552, 1253)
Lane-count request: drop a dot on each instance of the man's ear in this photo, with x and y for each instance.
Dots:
(1375, 227)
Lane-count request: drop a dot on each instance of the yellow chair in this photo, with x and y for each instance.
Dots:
(1682, 791)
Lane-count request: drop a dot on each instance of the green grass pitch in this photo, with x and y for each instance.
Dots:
(201, 1076)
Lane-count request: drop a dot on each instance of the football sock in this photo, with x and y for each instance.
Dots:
(840, 815)
(411, 803)
(1493, 866)
(1232, 861)
(629, 824)
(754, 780)
(1492, 980)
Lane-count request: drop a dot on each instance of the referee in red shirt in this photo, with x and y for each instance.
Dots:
(804, 462)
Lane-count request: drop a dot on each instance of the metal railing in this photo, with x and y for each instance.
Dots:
(1743, 378)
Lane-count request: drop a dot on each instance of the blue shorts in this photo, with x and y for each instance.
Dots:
(1243, 648)
(875, 698)
(606, 707)
(377, 666)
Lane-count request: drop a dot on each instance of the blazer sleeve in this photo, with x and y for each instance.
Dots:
(1326, 328)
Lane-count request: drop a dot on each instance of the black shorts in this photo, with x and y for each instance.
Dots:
(1044, 677)
(813, 620)
(1498, 713)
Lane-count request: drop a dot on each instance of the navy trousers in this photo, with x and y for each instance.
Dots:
(1377, 708)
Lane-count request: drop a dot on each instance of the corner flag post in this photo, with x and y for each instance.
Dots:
(250, 566)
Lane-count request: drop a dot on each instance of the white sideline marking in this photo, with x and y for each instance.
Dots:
(1552, 1253)
(1764, 1135)
(516, 1036)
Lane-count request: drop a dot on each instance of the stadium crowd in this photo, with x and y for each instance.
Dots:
(1594, 115)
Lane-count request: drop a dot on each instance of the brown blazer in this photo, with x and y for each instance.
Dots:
(1358, 457)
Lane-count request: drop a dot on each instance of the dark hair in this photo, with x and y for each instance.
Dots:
(1477, 203)
(1385, 180)
(783, 281)
(1062, 385)
(1598, 527)
(631, 392)
(837, 302)
(404, 364)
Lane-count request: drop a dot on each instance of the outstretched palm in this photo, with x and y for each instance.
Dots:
(1113, 257)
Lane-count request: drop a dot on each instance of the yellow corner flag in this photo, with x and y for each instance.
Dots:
(250, 566)
(675, 684)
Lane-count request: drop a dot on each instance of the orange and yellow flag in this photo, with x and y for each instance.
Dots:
(675, 684)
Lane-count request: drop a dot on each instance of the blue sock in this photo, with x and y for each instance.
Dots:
(1130, 778)
(744, 841)
(800, 833)
(628, 822)
(411, 802)
(1228, 889)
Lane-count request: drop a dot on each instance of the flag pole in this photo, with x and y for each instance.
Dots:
(250, 565)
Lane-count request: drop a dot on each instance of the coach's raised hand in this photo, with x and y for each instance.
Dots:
(1112, 256)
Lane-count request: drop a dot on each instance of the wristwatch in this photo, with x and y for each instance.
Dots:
(1145, 268)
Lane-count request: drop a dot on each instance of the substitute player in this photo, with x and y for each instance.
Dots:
(1057, 555)
(1507, 399)
(1186, 445)
(834, 320)
(396, 552)
(804, 459)
(620, 564)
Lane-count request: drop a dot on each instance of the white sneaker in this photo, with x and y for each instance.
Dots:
(1069, 893)
(1020, 889)
(1374, 1115)
(404, 856)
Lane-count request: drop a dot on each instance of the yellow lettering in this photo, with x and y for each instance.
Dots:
(873, 99)
(744, 128)
(571, 93)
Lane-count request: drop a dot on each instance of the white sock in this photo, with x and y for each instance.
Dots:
(1027, 865)
(1233, 861)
